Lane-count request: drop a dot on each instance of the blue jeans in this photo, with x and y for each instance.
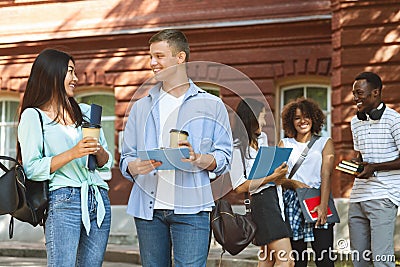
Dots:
(67, 243)
(186, 234)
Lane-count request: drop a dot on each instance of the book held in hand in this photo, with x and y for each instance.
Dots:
(267, 160)
(311, 203)
(171, 158)
(309, 198)
(350, 167)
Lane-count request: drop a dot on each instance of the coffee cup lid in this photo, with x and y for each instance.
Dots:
(179, 131)
(90, 125)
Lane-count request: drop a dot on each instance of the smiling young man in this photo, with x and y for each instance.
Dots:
(375, 196)
(171, 207)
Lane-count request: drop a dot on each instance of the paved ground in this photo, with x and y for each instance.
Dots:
(41, 262)
(13, 253)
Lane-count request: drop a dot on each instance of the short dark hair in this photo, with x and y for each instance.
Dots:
(372, 79)
(176, 39)
(309, 108)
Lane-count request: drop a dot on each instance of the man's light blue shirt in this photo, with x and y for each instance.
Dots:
(205, 118)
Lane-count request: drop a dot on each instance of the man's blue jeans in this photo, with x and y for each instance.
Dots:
(67, 243)
(186, 234)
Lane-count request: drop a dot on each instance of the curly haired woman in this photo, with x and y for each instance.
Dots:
(301, 119)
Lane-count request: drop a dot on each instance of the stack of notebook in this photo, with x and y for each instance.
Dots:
(350, 167)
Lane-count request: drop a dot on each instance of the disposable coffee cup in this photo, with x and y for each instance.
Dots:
(175, 136)
(91, 130)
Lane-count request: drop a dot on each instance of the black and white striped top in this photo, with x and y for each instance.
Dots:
(378, 141)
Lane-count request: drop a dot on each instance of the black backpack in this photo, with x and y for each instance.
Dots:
(23, 199)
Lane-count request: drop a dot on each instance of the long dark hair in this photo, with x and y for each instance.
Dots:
(46, 82)
(246, 125)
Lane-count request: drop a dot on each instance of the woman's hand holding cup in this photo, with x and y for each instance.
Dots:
(90, 140)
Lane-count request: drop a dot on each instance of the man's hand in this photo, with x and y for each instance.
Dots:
(192, 155)
(367, 172)
(203, 161)
(142, 166)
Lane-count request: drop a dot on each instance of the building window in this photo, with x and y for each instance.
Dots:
(320, 93)
(8, 127)
(107, 101)
(209, 88)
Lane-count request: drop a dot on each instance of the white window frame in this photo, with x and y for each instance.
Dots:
(100, 92)
(103, 118)
(6, 148)
(304, 86)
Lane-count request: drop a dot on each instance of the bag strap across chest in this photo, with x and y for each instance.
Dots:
(303, 155)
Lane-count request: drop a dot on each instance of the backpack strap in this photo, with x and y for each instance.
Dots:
(303, 155)
(11, 224)
(4, 168)
(246, 194)
(43, 154)
(41, 125)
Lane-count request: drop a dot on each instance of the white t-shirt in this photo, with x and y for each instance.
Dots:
(377, 141)
(169, 108)
(309, 171)
(237, 174)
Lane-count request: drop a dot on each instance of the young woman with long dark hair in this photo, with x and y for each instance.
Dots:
(267, 208)
(79, 214)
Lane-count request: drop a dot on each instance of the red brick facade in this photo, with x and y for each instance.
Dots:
(275, 43)
(365, 37)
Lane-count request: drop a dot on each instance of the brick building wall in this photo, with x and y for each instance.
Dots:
(365, 37)
(275, 43)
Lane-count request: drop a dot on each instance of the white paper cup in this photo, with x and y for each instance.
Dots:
(91, 130)
(175, 136)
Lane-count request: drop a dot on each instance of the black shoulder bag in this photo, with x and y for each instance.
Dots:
(23, 199)
(309, 198)
(234, 232)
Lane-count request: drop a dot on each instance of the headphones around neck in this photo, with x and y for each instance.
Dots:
(374, 114)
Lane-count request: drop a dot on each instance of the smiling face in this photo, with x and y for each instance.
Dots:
(301, 123)
(70, 80)
(365, 97)
(163, 58)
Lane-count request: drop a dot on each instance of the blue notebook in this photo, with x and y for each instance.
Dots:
(171, 158)
(267, 160)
